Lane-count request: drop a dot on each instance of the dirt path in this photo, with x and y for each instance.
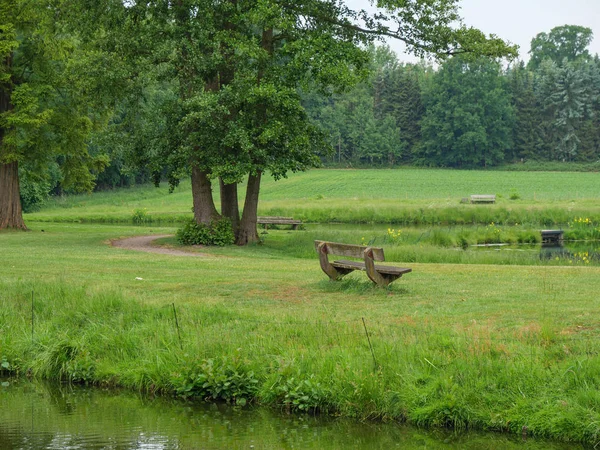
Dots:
(144, 244)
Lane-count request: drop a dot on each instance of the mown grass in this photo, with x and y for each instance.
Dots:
(507, 348)
(403, 196)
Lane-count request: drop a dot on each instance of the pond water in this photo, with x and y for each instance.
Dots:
(565, 253)
(42, 416)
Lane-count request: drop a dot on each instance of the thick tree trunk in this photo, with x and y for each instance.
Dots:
(204, 205)
(229, 204)
(11, 215)
(247, 232)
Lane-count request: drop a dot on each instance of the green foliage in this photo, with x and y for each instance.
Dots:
(469, 118)
(218, 380)
(582, 228)
(141, 217)
(219, 232)
(567, 42)
(50, 100)
(303, 394)
(5, 366)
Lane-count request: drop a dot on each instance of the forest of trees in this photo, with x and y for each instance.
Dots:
(470, 113)
(96, 93)
(105, 93)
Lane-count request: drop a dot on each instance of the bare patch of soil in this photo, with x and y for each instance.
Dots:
(145, 244)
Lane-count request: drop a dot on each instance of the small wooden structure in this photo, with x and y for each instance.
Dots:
(381, 275)
(552, 236)
(275, 220)
(483, 198)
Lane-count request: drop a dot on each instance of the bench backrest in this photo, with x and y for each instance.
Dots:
(266, 218)
(350, 250)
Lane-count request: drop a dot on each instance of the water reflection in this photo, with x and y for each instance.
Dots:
(35, 416)
(572, 252)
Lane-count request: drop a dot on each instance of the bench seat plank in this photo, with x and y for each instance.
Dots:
(356, 265)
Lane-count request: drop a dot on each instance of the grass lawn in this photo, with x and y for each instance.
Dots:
(508, 348)
(408, 196)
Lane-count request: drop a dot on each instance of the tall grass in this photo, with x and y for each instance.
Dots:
(506, 348)
(434, 374)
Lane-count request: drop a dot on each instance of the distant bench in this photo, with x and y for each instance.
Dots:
(483, 199)
(381, 275)
(274, 220)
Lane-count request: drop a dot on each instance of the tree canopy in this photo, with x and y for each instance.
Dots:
(48, 103)
(234, 70)
(567, 42)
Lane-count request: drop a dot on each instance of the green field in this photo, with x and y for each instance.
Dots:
(484, 346)
(407, 196)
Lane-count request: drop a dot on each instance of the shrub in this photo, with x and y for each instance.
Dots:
(220, 232)
(140, 217)
(514, 195)
(218, 379)
(305, 395)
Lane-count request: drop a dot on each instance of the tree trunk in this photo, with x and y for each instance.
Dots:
(204, 205)
(229, 204)
(247, 232)
(11, 215)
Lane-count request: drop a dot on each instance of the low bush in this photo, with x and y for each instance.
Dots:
(219, 232)
(218, 380)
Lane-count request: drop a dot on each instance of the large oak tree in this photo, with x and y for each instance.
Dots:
(239, 66)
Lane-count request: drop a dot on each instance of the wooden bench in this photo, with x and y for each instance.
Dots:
(273, 220)
(381, 275)
(483, 199)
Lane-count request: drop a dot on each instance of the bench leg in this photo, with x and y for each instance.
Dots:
(381, 279)
(332, 272)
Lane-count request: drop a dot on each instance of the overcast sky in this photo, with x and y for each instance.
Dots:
(518, 21)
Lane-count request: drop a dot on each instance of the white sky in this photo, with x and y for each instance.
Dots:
(518, 21)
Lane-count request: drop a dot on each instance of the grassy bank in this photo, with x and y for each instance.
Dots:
(403, 196)
(507, 348)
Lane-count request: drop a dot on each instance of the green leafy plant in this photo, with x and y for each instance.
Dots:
(218, 379)
(220, 232)
(304, 395)
(4, 365)
(141, 217)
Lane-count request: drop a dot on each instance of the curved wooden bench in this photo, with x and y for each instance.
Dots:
(381, 275)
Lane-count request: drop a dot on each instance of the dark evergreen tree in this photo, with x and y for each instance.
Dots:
(526, 131)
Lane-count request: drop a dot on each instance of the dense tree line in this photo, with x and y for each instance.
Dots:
(470, 113)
